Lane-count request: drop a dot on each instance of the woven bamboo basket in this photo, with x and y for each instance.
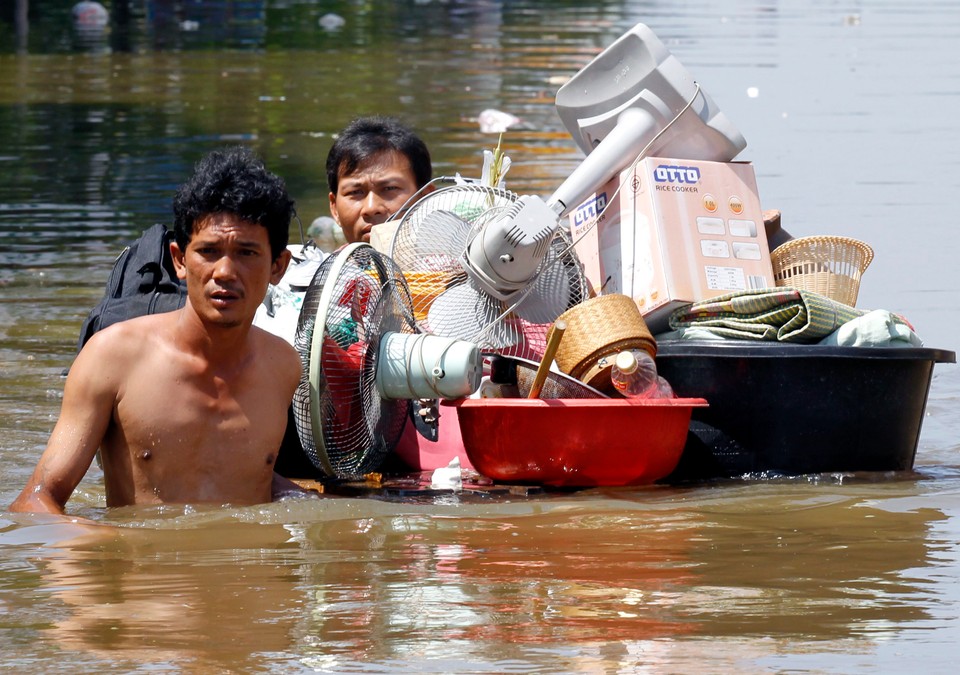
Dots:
(829, 265)
(597, 330)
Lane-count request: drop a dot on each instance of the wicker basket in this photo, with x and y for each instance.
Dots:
(597, 329)
(828, 265)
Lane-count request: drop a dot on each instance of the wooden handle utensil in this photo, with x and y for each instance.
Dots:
(548, 355)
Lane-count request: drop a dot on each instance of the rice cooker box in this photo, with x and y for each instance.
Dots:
(677, 231)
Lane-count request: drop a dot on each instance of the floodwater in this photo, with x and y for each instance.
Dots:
(850, 110)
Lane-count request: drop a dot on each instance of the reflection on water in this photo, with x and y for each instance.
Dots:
(833, 573)
(132, 598)
(423, 581)
(548, 584)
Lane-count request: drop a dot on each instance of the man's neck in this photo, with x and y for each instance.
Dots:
(217, 344)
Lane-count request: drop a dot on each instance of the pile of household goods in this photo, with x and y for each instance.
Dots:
(781, 377)
(620, 331)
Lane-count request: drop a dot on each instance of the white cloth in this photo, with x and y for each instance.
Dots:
(878, 328)
(280, 310)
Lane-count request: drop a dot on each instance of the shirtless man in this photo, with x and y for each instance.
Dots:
(373, 168)
(187, 406)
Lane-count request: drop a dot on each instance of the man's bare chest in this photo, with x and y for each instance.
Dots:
(200, 417)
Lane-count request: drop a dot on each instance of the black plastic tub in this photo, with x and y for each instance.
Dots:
(789, 409)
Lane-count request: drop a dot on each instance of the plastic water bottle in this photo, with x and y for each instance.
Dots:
(664, 390)
(634, 374)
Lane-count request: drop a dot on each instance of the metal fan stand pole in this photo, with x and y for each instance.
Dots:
(548, 355)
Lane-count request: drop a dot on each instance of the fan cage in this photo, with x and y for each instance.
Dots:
(429, 246)
(368, 298)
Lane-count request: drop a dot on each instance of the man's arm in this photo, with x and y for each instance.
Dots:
(281, 487)
(88, 400)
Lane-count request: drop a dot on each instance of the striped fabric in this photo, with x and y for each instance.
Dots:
(783, 314)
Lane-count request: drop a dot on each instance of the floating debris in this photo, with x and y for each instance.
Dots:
(447, 477)
(326, 233)
(332, 22)
(496, 121)
(90, 16)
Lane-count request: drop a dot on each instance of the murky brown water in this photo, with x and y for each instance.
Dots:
(852, 131)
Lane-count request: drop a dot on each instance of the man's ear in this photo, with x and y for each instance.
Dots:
(177, 256)
(333, 208)
(279, 266)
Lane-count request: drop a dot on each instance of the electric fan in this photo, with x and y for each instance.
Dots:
(454, 298)
(492, 252)
(364, 361)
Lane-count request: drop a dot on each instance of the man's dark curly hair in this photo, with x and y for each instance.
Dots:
(234, 180)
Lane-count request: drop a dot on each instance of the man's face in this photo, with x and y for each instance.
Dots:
(227, 266)
(372, 194)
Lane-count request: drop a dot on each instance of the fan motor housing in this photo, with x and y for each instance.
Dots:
(507, 253)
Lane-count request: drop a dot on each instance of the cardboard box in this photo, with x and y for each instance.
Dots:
(381, 236)
(678, 231)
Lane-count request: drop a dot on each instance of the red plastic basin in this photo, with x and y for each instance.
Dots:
(575, 442)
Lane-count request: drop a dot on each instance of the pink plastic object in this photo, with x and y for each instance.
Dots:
(575, 442)
(422, 455)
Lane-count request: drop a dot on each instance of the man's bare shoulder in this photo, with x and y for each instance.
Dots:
(131, 336)
(276, 349)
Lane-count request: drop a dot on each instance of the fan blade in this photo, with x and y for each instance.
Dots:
(440, 233)
(466, 312)
(556, 288)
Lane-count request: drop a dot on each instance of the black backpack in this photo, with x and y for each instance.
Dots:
(143, 281)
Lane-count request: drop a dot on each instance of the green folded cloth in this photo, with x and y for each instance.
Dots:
(784, 314)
